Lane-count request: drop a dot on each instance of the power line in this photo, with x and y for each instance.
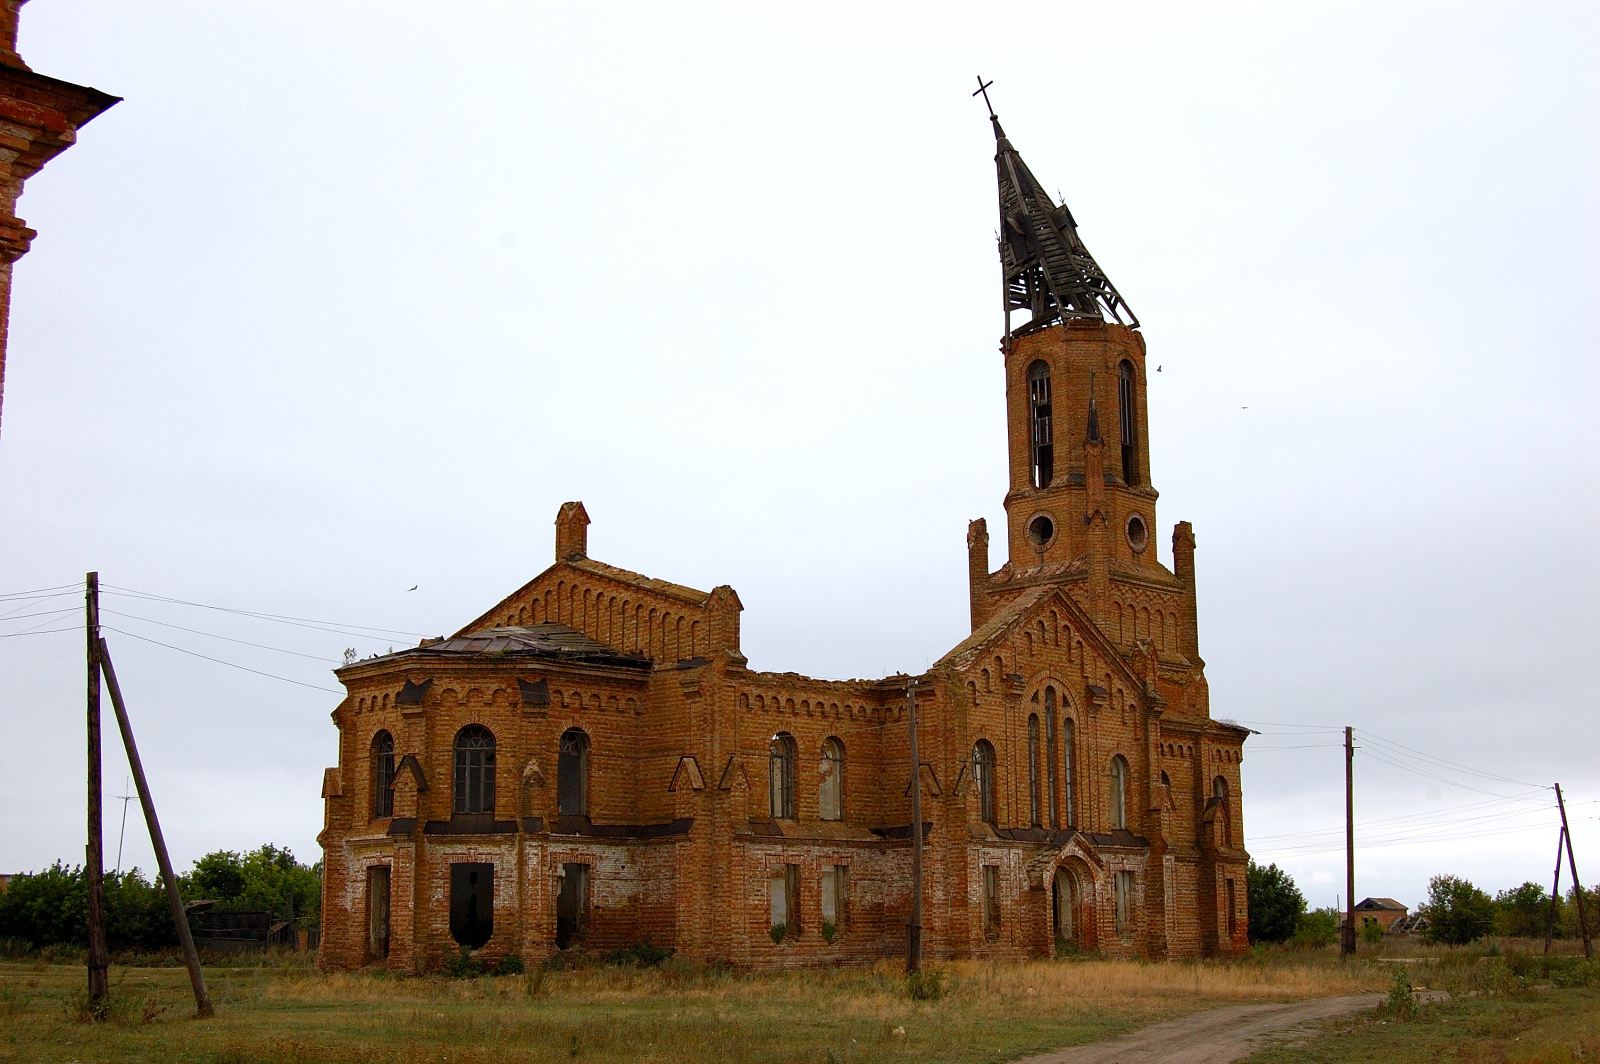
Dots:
(46, 613)
(326, 626)
(39, 591)
(219, 661)
(213, 635)
(49, 631)
(1420, 755)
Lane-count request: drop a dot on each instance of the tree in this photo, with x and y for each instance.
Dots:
(1523, 912)
(1457, 911)
(52, 908)
(1276, 904)
(268, 879)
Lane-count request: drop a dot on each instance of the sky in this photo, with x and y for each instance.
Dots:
(346, 299)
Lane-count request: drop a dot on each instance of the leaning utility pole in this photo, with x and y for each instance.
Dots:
(1347, 941)
(202, 1000)
(914, 926)
(1555, 889)
(1577, 887)
(94, 858)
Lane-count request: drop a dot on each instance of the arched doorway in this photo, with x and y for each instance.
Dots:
(1063, 900)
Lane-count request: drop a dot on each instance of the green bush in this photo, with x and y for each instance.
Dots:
(1317, 929)
(509, 965)
(1400, 1005)
(925, 986)
(463, 965)
(829, 929)
(640, 954)
(1372, 933)
(777, 932)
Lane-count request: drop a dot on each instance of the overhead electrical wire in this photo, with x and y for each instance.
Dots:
(213, 635)
(219, 661)
(337, 627)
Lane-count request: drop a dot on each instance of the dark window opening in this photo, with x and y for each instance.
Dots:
(383, 774)
(1066, 730)
(572, 774)
(835, 899)
(377, 912)
(1042, 449)
(983, 778)
(1129, 423)
(572, 905)
(991, 899)
(1050, 754)
(1033, 769)
(1041, 530)
(1119, 792)
(474, 770)
(780, 778)
(471, 904)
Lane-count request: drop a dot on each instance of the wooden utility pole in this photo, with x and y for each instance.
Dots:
(1347, 941)
(1555, 889)
(914, 926)
(94, 855)
(1577, 887)
(202, 1000)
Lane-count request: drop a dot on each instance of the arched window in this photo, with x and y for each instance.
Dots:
(1219, 788)
(1033, 769)
(1067, 749)
(474, 770)
(780, 777)
(1050, 753)
(572, 773)
(1119, 792)
(383, 774)
(1128, 419)
(983, 778)
(1043, 451)
(1219, 791)
(830, 786)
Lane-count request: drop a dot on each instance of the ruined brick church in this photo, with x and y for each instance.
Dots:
(593, 762)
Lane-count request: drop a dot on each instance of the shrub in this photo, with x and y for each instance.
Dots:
(1372, 933)
(829, 929)
(1400, 1004)
(509, 965)
(1317, 929)
(1457, 911)
(777, 932)
(463, 966)
(640, 954)
(1276, 904)
(925, 986)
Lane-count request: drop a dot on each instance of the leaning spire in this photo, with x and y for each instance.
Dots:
(1048, 272)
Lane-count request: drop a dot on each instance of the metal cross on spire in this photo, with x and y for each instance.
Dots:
(983, 89)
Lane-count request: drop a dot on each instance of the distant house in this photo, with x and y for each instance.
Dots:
(1385, 912)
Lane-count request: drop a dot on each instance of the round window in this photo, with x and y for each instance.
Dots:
(1138, 535)
(1041, 530)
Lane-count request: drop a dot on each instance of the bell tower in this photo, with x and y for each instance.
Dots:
(1080, 503)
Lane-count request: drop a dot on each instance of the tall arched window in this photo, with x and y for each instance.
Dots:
(383, 774)
(1128, 420)
(572, 773)
(1219, 791)
(474, 770)
(1042, 447)
(1119, 792)
(780, 777)
(830, 785)
(1033, 769)
(1067, 749)
(1050, 754)
(983, 778)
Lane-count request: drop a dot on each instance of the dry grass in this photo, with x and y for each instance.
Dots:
(988, 1012)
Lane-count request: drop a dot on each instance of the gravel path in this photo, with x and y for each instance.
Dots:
(1214, 1037)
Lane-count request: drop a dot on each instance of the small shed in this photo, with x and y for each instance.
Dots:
(227, 931)
(1381, 911)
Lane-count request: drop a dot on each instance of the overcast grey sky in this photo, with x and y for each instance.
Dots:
(349, 297)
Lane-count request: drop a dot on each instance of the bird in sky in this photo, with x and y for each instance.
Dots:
(413, 587)
(1158, 369)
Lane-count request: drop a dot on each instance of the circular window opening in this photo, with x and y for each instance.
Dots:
(1041, 530)
(1138, 535)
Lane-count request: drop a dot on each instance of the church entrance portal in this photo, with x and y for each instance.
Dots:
(1063, 896)
(471, 903)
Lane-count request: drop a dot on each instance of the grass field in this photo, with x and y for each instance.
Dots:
(282, 1011)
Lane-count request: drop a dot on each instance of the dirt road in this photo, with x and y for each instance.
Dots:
(1214, 1037)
